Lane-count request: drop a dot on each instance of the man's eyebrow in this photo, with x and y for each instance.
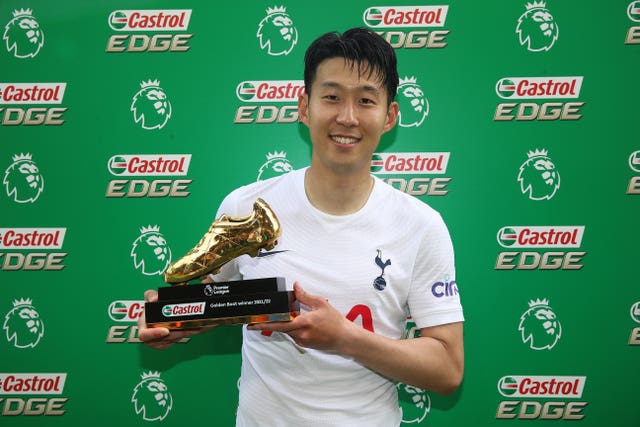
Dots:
(366, 87)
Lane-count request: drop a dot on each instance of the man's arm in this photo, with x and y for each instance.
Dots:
(433, 361)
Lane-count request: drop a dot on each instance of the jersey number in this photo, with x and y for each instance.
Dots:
(357, 310)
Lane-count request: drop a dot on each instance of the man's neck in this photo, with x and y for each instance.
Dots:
(337, 195)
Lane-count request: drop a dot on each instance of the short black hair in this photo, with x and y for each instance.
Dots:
(361, 47)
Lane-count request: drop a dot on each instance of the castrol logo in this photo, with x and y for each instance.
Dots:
(405, 16)
(145, 20)
(31, 93)
(187, 309)
(541, 236)
(539, 87)
(520, 386)
(28, 383)
(31, 238)
(270, 90)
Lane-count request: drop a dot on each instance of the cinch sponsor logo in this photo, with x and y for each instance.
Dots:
(149, 164)
(31, 238)
(539, 87)
(409, 163)
(190, 309)
(445, 289)
(29, 383)
(517, 386)
(31, 93)
(540, 236)
(126, 311)
(405, 16)
(145, 20)
(273, 90)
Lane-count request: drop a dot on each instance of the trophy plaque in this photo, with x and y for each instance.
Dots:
(222, 303)
(188, 305)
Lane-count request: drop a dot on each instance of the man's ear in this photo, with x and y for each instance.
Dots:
(303, 109)
(392, 117)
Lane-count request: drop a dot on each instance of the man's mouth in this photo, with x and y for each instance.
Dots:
(344, 140)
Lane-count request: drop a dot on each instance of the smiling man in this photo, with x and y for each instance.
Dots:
(362, 257)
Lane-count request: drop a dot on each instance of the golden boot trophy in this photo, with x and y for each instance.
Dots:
(224, 303)
(227, 238)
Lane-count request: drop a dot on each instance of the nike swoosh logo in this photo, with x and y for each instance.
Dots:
(262, 254)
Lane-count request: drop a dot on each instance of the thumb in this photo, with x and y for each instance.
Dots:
(311, 301)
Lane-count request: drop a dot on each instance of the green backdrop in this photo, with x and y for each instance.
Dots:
(517, 124)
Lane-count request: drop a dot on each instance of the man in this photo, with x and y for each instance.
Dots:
(361, 255)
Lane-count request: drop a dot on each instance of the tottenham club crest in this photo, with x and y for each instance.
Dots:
(22, 325)
(276, 165)
(22, 179)
(412, 103)
(276, 32)
(151, 397)
(22, 35)
(150, 106)
(150, 252)
(380, 283)
(539, 326)
(538, 176)
(536, 27)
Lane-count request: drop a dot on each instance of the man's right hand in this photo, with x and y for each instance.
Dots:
(160, 338)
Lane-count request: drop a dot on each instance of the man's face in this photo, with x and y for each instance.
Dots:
(346, 114)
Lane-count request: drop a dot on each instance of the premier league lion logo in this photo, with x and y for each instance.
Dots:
(415, 403)
(22, 180)
(150, 251)
(151, 397)
(23, 35)
(22, 324)
(276, 165)
(276, 32)
(150, 106)
(537, 28)
(539, 326)
(538, 176)
(412, 103)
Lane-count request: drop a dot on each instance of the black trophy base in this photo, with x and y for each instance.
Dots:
(224, 303)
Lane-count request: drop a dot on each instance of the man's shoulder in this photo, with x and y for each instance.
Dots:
(242, 198)
(403, 201)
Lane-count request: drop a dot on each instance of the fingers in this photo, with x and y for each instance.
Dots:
(161, 338)
(151, 296)
(272, 326)
(152, 334)
(311, 301)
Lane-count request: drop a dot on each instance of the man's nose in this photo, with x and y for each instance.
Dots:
(347, 116)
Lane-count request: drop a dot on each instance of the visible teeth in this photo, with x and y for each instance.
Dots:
(344, 140)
